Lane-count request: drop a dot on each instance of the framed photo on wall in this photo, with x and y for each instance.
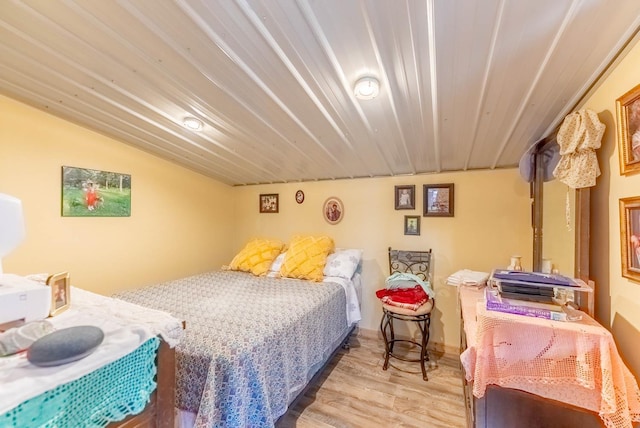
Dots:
(412, 225)
(405, 197)
(628, 115)
(333, 210)
(630, 237)
(438, 200)
(60, 292)
(95, 193)
(269, 203)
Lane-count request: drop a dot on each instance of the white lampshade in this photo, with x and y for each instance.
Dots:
(12, 230)
(366, 88)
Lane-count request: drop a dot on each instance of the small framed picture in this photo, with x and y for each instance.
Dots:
(438, 200)
(405, 197)
(60, 292)
(630, 237)
(333, 210)
(299, 196)
(628, 115)
(412, 225)
(269, 203)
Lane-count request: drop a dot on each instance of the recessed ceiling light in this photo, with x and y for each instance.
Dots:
(366, 88)
(192, 123)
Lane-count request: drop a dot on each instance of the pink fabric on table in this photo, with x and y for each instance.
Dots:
(573, 362)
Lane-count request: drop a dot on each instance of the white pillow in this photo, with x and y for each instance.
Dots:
(343, 263)
(277, 263)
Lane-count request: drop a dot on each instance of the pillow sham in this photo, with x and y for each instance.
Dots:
(256, 256)
(306, 257)
(343, 263)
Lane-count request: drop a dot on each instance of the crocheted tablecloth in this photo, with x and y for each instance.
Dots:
(572, 362)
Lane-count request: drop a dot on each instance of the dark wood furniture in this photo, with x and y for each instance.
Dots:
(160, 412)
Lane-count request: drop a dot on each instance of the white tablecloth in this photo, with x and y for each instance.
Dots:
(126, 326)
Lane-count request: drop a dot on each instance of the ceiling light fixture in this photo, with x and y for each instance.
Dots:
(192, 123)
(366, 88)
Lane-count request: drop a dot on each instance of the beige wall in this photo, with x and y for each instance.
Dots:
(617, 298)
(178, 225)
(491, 222)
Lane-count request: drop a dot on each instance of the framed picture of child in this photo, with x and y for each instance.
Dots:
(628, 123)
(60, 292)
(405, 197)
(95, 193)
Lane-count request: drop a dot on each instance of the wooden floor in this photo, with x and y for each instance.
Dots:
(354, 391)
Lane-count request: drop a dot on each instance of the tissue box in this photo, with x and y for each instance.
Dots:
(23, 299)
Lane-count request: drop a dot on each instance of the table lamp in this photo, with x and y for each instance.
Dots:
(11, 225)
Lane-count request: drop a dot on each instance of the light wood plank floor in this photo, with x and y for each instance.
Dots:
(353, 391)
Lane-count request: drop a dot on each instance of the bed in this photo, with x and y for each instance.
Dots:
(252, 343)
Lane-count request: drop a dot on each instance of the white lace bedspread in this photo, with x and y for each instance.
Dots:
(251, 344)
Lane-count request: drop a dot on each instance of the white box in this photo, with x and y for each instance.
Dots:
(23, 299)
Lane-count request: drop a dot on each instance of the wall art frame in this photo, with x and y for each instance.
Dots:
(269, 203)
(628, 124)
(95, 193)
(438, 200)
(405, 197)
(630, 237)
(412, 225)
(333, 210)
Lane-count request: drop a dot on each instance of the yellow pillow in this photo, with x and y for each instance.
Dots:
(256, 257)
(306, 257)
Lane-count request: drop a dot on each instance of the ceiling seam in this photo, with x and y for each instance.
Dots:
(226, 123)
(416, 57)
(313, 23)
(77, 66)
(525, 100)
(593, 82)
(266, 35)
(88, 106)
(385, 78)
(485, 80)
(253, 76)
(431, 29)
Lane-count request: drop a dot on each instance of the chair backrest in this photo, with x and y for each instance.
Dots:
(415, 262)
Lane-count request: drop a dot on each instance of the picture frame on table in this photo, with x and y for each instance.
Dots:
(60, 292)
(438, 200)
(405, 197)
(628, 124)
(630, 237)
(412, 225)
(269, 203)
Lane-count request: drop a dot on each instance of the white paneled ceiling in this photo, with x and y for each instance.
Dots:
(464, 84)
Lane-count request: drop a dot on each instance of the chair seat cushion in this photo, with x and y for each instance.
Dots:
(422, 310)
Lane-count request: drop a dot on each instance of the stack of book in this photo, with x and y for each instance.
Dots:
(532, 294)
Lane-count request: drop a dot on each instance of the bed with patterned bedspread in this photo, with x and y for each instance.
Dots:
(251, 344)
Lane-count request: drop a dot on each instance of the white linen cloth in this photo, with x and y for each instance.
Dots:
(468, 277)
(126, 326)
(353, 301)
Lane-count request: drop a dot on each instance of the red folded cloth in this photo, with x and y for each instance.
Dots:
(410, 298)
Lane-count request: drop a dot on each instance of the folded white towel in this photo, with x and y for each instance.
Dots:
(468, 277)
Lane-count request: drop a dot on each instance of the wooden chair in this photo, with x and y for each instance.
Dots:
(417, 263)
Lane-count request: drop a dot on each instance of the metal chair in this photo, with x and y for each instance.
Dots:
(419, 264)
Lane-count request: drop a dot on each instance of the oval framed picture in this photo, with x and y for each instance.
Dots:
(299, 196)
(333, 210)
